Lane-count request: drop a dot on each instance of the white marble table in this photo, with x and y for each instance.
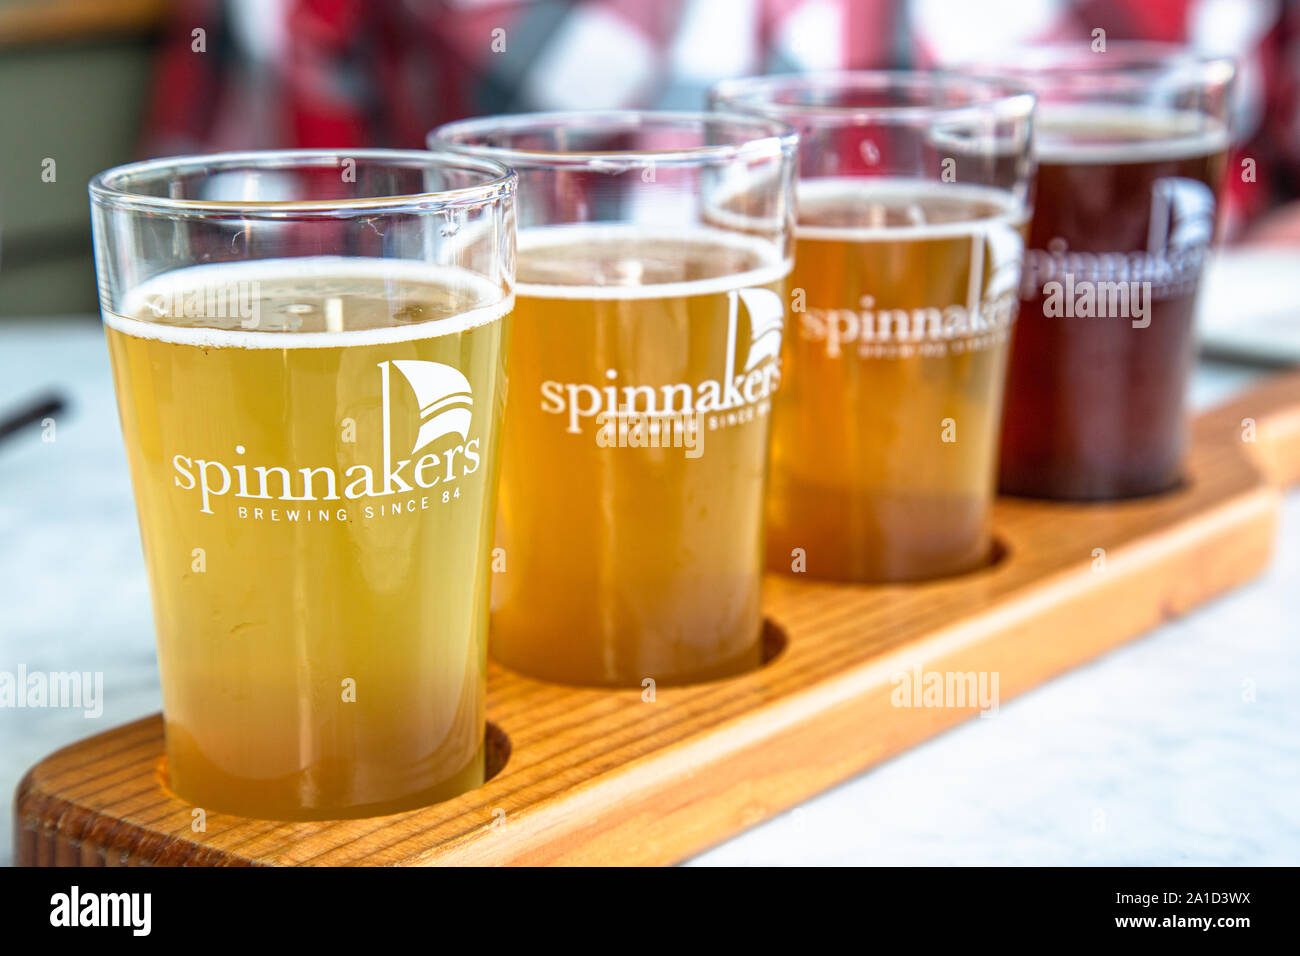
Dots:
(1155, 754)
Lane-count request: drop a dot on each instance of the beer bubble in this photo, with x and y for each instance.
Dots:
(411, 312)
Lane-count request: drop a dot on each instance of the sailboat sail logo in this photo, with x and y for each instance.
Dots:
(766, 323)
(1182, 215)
(443, 395)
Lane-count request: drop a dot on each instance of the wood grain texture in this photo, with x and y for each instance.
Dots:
(600, 777)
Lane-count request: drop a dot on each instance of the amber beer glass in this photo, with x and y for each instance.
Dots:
(308, 349)
(1131, 146)
(652, 255)
(912, 200)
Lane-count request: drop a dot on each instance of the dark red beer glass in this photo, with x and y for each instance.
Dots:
(1131, 146)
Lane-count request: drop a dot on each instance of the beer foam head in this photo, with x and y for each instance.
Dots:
(873, 209)
(631, 261)
(178, 306)
(1113, 134)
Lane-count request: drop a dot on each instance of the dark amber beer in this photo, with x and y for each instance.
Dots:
(1131, 146)
(908, 255)
(1105, 344)
(901, 343)
(313, 447)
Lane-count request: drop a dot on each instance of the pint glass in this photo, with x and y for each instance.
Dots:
(652, 253)
(912, 201)
(1131, 146)
(308, 350)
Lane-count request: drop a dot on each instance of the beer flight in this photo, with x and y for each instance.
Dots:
(812, 330)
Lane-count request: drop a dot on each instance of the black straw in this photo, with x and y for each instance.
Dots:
(34, 412)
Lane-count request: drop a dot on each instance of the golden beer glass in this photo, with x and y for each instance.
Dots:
(652, 257)
(913, 198)
(309, 356)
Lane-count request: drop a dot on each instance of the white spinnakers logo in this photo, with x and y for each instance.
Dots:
(872, 329)
(446, 404)
(1179, 229)
(732, 391)
(442, 393)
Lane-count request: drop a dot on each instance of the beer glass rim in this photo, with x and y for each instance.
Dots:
(772, 137)
(122, 186)
(1004, 97)
(1077, 61)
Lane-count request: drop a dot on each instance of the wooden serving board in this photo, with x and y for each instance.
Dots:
(600, 777)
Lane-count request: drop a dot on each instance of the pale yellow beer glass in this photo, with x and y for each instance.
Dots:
(913, 198)
(652, 256)
(309, 354)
